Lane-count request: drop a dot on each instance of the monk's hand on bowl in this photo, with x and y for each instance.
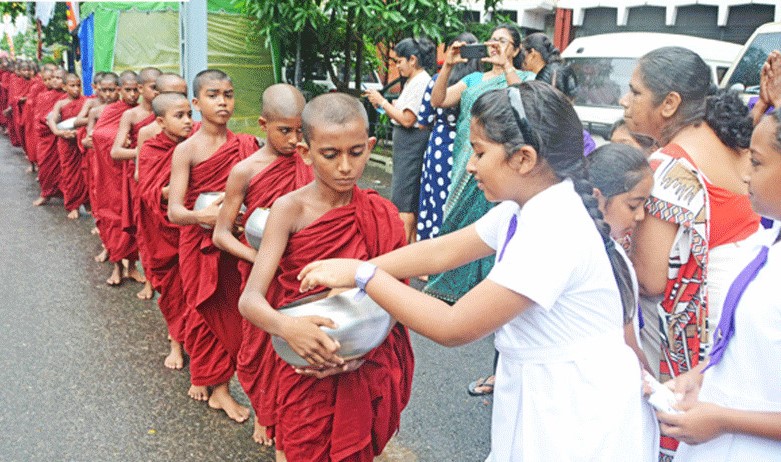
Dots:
(208, 215)
(321, 373)
(69, 134)
(307, 340)
(335, 272)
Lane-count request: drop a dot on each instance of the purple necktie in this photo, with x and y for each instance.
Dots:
(726, 328)
(510, 234)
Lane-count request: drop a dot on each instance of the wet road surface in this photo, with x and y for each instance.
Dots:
(81, 363)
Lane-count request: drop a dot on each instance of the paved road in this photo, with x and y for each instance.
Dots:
(81, 363)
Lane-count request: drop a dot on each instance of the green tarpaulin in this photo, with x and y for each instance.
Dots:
(133, 35)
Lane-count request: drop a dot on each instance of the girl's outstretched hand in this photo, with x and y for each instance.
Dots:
(700, 422)
(336, 272)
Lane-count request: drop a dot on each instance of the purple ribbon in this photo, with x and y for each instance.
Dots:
(767, 223)
(726, 328)
(510, 233)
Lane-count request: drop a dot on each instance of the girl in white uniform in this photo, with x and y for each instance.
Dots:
(622, 182)
(567, 386)
(732, 411)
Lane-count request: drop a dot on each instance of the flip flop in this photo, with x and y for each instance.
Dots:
(472, 389)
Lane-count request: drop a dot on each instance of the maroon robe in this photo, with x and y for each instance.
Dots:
(107, 182)
(18, 89)
(285, 174)
(46, 155)
(211, 277)
(4, 76)
(158, 238)
(352, 414)
(74, 189)
(29, 111)
(129, 215)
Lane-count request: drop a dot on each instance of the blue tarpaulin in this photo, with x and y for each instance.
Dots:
(87, 44)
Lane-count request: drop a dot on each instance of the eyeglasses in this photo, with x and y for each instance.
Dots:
(502, 40)
(520, 118)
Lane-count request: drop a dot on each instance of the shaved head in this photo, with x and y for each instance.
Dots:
(282, 101)
(165, 101)
(171, 83)
(148, 74)
(207, 76)
(127, 76)
(110, 77)
(72, 76)
(331, 109)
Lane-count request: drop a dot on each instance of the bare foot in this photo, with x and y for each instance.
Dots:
(222, 399)
(175, 359)
(259, 435)
(147, 292)
(30, 169)
(73, 214)
(102, 256)
(132, 273)
(281, 457)
(116, 276)
(198, 392)
(40, 201)
(94, 230)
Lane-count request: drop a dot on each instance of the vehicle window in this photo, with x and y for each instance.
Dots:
(750, 64)
(720, 71)
(601, 81)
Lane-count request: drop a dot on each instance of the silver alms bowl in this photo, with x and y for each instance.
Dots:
(256, 224)
(67, 124)
(204, 200)
(362, 324)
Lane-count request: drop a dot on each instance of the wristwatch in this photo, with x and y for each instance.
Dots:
(364, 274)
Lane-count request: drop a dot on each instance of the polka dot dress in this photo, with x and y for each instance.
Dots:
(437, 163)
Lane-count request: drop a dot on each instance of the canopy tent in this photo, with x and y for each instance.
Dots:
(133, 35)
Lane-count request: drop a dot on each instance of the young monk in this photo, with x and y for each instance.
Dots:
(95, 100)
(211, 277)
(352, 414)
(20, 86)
(46, 156)
(166, 82)
(124, 150)
(108, 175)
(72, 184)
(257, 181)
(40, 87)
(158, 237)
(108, 93)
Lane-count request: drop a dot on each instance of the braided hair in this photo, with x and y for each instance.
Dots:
(553, 129)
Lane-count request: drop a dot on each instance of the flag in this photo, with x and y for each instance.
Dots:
(87, 42)
(72, 15)
(44, 12)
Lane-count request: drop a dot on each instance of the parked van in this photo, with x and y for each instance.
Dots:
(604, 64)
(744, 73)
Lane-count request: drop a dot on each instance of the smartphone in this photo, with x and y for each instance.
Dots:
(477, 50)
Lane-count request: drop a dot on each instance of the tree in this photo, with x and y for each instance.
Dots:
(348, 31)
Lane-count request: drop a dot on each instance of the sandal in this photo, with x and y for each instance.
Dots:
(482, 386)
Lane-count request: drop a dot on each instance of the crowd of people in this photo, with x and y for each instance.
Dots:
(655, 253)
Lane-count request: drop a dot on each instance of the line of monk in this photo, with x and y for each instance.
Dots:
(133, 157)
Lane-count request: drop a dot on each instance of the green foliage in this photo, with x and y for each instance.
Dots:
(348, 30)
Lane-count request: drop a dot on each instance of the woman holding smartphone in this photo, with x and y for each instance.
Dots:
(465, 203)
(412, 57)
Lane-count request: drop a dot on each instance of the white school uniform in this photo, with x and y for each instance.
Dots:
(567, 386)
(747, 378)
(650, 423)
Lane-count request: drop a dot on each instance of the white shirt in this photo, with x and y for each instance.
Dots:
(747, 377)
(558, 260)
(411, 96)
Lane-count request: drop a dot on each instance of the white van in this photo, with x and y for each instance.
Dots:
(604, 64)
(743, 75)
